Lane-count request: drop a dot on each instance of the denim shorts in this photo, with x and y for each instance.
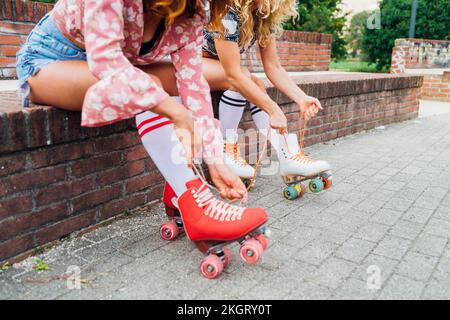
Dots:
(44, 45)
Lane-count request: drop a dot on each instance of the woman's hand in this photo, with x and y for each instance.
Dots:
(309, 106)
(184, 127)
(278, 121)
(230, 186)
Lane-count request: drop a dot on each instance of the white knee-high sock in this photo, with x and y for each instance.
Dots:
(231, 108)
(262, 122)
(160, 141)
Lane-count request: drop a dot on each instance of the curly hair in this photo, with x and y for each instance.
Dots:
(265, 18)
(170, 9)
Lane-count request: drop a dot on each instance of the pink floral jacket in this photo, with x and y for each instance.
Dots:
(111, 32)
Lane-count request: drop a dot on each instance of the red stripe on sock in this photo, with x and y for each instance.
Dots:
(156, 126)
(143, 123)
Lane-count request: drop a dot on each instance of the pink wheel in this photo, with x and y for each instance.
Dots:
(211, 266)
(227, 253)
(263, 240)
(327, 183)
(251, 251)
(169, 230)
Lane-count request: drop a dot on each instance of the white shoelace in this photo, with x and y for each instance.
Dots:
(216, 209)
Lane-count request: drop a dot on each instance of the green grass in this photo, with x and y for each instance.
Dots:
(353, 66)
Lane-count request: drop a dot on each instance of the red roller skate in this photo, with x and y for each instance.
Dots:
(213, 224)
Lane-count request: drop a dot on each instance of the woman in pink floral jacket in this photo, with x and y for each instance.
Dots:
(105, 57)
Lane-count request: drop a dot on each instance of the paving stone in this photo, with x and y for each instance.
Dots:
(430, 245)
(386, 216)
(332, 272)
(392, 247)
(417, 266)
(355, 250)
(406, 229)
(401, 288)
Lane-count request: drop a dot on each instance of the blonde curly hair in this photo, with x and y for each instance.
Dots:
(263, 17)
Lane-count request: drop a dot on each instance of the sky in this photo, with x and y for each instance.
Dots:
(355, 6)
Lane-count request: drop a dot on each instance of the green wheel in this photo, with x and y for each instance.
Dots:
(290, 193)
(316, 185)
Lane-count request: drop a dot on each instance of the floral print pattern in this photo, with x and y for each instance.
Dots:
(111, 32)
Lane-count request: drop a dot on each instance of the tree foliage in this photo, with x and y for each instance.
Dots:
(325, 17)
(433, 21)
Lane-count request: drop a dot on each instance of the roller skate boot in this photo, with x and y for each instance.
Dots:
(212, 224)
(296, 169)
(237, 164)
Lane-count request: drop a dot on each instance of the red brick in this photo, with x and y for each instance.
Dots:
(31, 179)
(40, 11)
(114, 208)
(65, 227)
(47, 157)
(15, 246)
(10, 164)
(96, 197)
(142, 182)
(9, 51)
(29, 10)
(136, 153)
(117, 141)
(22, 223)
(10, 39)
(103, 162)
(13, 206)
(15, 28)
(65, 191)
(117, 174)
(8, 9)
(37, 126)
(155, 193)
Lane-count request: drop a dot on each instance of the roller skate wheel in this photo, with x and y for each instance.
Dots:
(211, 266)
(251, 251)
(316, 185)
(169, 230)
(263, 240)
(227, 257)
(247, 183)
(327, 183)
(290, 193)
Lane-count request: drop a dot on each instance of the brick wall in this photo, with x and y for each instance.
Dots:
(298, 51)
(420, 54)
(430, 58)
(57, 178)
(436, 87)
(17, 18)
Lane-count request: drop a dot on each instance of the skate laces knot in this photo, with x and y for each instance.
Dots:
(215, 208)
(232, 149)
(302, 157)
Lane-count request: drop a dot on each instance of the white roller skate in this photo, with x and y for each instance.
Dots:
(237, 164)
(296, 167)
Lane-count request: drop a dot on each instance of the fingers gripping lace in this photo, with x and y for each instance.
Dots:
(217, 209)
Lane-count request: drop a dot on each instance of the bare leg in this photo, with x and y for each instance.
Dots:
(64, 84)
(216, 76)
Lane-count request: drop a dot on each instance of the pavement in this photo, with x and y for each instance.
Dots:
(381, 232)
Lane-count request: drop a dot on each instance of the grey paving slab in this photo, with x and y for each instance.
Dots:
(381, 232)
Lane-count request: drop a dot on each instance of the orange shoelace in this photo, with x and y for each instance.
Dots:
(232, 149)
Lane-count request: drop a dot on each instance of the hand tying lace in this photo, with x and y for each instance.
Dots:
(216, 209)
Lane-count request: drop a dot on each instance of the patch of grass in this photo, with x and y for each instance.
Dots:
(41, 265)
(353, 66)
